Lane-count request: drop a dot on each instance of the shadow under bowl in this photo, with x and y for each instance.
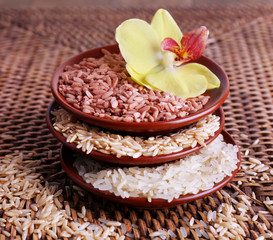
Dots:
(217, 98)
(127, 160)
(67, 159)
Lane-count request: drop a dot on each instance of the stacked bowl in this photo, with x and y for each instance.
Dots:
(139, 161)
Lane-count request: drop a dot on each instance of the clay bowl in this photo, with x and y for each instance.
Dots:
(127, 160)
(217, 98)
(66, 158)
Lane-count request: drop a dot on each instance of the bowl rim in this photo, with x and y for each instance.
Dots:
(148, 126)
(143, 202)
(127, 160)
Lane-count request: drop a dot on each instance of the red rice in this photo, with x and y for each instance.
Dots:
(103, 88)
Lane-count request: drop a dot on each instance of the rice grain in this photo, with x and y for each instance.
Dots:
(103, 88)
(89, 138)
(198, 171)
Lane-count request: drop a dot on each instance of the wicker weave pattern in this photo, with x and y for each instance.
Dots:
(34, 42)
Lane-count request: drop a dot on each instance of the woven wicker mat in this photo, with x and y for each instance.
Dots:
(34, 42)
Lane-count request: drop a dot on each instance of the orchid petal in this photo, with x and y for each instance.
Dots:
(213, 80)
(190, 80)
(139, 45)
(165, 26)
(137, 77)
(155, 57)
(193, 43)
(168, 44)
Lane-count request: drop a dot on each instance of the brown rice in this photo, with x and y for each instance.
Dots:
(45, 218)
(89, 138)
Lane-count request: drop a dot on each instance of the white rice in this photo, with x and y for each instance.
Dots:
(196, 172)
(88, 138)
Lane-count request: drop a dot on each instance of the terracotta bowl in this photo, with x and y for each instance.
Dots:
(217, 98)
(66, 158)
(127, 160)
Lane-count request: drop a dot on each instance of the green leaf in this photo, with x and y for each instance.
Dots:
(165, 26)
(139, 45)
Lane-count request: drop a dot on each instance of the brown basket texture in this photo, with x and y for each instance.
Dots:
(34, 42)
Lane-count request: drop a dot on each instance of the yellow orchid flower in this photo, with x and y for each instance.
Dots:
(156, 55)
